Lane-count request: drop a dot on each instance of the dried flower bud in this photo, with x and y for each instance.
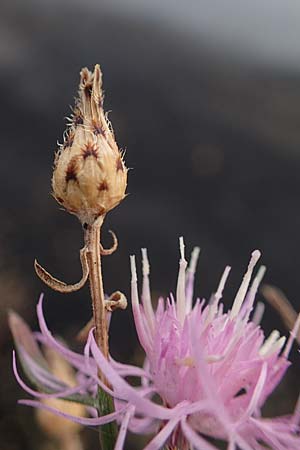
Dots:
(89, 177)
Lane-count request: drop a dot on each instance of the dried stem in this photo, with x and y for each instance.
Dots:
(92, 243)
(107, 433)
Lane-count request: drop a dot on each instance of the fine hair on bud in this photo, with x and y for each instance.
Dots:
(89, 176)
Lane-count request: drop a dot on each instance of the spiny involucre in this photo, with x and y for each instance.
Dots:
(89, 177)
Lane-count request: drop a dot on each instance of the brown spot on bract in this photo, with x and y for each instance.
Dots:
(78, 120)
(90, 150)
(97, 128)
(69, 140)
(77, 116)
(60, 200)
(88, 89)
(71, 173)
(119, 164)
(103, 186)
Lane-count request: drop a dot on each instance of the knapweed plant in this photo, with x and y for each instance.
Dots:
(207, 371)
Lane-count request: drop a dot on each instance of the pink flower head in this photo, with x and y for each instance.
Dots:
(213, 370)
(218, 362)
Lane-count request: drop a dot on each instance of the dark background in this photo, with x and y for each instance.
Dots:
(206, 102)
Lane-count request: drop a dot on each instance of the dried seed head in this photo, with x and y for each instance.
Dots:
(89, 177)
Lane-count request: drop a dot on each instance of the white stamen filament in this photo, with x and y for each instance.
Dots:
(255, 285)
(194, 259)
(257, 391)
(146, 294)
(278, 345)
(213, 307)
(145, 262)
(180, 291)
(190, 275)
(253, 290)
(219, 293)
(258, 313)
(267, 347)
(133, 269)
(240, 296)
(181, 248)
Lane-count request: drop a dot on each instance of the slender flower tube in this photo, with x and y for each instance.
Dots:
(212, 370)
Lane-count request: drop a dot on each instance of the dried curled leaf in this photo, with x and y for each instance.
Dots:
(60, 286)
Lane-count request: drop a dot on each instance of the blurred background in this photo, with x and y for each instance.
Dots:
(205, 98)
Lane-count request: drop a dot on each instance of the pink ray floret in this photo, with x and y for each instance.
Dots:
(212, 370)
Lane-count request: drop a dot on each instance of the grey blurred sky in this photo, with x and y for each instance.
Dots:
(266, 30)
(257, 31)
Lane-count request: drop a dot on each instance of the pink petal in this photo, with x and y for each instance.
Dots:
(159, 440)
(123, 428)
(75, 359)
(81, 420)
(144, 337)
(62, 393)
(256, 393)
(194, 438)
(129, 393)
(23, 336)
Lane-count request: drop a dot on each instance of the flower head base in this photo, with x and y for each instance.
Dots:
(213, 370)
(89, 177)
